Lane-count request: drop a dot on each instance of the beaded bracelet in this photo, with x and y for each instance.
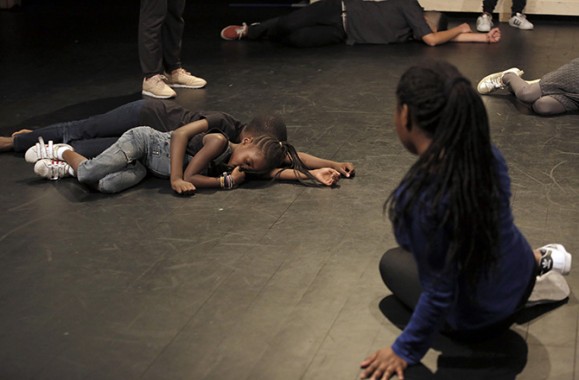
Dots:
(226, 181)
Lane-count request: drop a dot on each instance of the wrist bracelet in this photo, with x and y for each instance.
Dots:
(226, 181)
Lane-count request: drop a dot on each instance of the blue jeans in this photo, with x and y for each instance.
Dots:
(125, 163)
(88, 137)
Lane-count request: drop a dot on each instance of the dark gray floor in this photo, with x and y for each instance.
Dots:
(264, 282)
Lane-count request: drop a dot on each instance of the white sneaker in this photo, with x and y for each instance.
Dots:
(52, 169)
(41, 150)
(156, 87)
(182, 78)
(484, 22)
(494, 81)
(555, 257)
(550, 287)
(520, 21)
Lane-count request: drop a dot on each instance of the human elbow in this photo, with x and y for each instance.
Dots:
(430, 40)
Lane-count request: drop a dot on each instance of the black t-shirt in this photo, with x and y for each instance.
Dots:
(385, 21)
(167, 116)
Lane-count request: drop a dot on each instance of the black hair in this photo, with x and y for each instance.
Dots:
(458, 170)
(274, 126)
(267, 125)
(275, 152)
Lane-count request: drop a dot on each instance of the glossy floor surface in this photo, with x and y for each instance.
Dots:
(272, 281)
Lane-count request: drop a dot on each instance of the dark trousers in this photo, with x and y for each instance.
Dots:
(161, 28)
(317, 24)
(517, 7)
(400, 274)
(90, 136)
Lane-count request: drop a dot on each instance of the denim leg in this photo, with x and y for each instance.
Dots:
(111, 124)
(116, 182)
(132, 146)
(93, 147)
(158, 159)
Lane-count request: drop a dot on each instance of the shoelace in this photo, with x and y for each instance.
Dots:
(241, 31)
(182, 71)
(497, 82)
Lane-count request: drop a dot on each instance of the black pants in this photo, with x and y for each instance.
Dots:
(317, 24)
(161, 28)
(400, 274)
(517, 7)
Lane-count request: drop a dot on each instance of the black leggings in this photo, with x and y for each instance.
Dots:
(400, 274)
(317, 24)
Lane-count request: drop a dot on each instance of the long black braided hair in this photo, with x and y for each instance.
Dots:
(457, 170)
(274, 126)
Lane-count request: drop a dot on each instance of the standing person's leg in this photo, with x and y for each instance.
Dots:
(173, 28)
(151, 20)
(400, 274)
(518, 6)
(489, 6)
(111, 124)
(172, 35)
(518, 18)
(484, 22)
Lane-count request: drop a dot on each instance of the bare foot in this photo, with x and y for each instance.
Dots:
(6, 144)
(22, 131)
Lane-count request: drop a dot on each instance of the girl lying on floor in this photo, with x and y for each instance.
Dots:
(190, 156)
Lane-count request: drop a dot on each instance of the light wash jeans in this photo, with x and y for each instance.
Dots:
(125, 163)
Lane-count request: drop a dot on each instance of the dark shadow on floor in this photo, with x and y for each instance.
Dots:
(503, 357)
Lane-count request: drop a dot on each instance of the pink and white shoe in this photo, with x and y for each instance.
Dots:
(41, 150)
(52, 169)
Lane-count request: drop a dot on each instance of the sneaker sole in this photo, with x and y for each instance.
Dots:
(157, 96)
(518, 27)
(186, 86)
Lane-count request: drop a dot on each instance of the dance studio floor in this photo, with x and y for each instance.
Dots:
(270, 281)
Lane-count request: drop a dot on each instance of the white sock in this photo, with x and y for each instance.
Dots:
(60, 150)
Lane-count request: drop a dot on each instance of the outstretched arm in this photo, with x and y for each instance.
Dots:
(325, 176)
(179, 139)
(461, 33)
(492, 37)
(326, 172)
(312, 162)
